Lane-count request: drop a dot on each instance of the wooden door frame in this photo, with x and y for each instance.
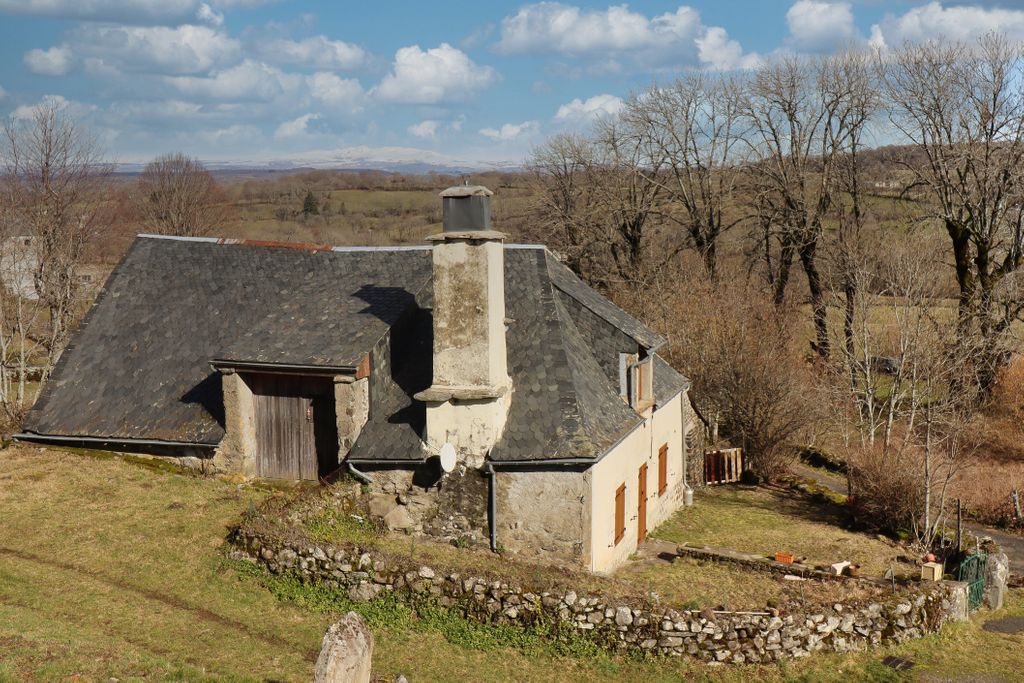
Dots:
(307, 392)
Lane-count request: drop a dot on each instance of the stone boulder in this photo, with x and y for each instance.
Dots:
(997, 574)
(399, 519)
(346, 652)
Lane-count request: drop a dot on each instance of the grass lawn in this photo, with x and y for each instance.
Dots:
(112, 569)
(765, 521)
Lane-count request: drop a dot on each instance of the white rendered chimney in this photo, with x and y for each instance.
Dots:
(468, 400)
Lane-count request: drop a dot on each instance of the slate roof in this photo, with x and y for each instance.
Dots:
(138, 368)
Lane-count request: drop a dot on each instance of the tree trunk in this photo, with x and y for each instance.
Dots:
(819, 307)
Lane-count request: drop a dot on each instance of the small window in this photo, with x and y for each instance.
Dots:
(636, 380)
(620, 513)
(663, 469)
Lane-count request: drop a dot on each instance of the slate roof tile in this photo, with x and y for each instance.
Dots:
(138, 368)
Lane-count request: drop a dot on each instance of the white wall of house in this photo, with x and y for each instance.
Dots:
(621, 466)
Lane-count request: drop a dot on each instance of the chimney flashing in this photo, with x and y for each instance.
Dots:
(471, 235)
(467, 191)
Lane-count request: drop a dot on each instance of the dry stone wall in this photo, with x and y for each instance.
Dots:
(722, 637)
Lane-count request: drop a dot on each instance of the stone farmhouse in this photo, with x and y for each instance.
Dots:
(480, 389)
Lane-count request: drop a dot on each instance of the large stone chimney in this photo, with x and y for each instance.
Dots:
(468, 400)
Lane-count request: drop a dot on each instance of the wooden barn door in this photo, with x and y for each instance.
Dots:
(295, 426)
(641, 504)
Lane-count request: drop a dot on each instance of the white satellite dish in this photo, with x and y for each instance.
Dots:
(448, 459)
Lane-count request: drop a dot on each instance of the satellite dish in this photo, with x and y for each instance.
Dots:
(448, 457)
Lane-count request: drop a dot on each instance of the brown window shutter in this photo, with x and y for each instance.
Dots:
(620, 513)
(662, 470)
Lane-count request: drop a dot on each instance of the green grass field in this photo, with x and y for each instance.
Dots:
(112, 569)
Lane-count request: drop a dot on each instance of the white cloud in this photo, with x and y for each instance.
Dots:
(156, 49)
(424, 129)
(296, 127)
(27, 111)
(934, 21)
(121, 11)
(818, 26)
(666, 39)
(75, 109)
(716, 49)
(316, 51)
(439, 74)
(207, 15)
(510, 131)
(340, 93)
(56, 61)
(584, 110)
(249, 80)
(232, 134)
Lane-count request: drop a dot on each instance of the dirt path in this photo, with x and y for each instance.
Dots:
(1012, 544)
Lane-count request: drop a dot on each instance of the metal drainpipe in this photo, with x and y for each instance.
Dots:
(492, 506)
(361, 476)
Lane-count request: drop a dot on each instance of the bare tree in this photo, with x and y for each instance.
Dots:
(693, 131)
(911, 426)
(804, 115)
(178, 196)
(962, 107)
(603, 213)
(738, 349)
(52, 174)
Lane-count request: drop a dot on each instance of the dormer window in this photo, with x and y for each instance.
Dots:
(636, 381)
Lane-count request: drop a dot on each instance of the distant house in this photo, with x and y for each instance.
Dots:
(480, 388)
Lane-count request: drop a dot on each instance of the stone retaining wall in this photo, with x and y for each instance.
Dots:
(726, 637)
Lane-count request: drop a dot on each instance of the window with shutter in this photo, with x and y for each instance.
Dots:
(620, 513)
(662, 469)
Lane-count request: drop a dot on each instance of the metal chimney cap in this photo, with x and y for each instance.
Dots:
(467, 191)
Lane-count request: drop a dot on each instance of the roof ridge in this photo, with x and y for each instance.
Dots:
(646, 336)
(308, 246)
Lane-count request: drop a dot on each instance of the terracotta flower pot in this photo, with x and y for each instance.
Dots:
(784, 558)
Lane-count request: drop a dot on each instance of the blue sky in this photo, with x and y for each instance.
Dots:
(256, 80)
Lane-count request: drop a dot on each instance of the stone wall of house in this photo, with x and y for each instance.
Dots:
(621, 625)
(449, 506)
(545, 512)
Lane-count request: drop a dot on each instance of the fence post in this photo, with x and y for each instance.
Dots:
(959, 525)
(1016, 504)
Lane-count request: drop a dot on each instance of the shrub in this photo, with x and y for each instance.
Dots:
(887, 493)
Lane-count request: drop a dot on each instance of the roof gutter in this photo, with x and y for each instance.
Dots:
(50, 438)
(283, 368)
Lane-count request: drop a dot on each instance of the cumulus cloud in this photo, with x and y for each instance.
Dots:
(584, 110)
(934, 21)
(120, 11)
(207, 15)
(716, 49)
(818, 26)
(249, 80)
(56, 61)
(334, 91)
(439, 74)
(666, 39)
(316, 51)
(424, 129)
(295, 127)
(59, 102)
(233, 134)
(510, 131)
(110, 50)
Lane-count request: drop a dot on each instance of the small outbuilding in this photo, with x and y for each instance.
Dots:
(563, 430)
